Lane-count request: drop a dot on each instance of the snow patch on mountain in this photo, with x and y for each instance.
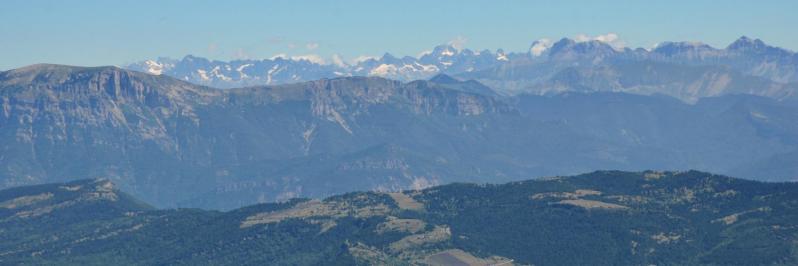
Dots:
(747, 55)
(154, 67)
(540, 46)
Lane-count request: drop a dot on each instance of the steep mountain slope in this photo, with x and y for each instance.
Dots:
(601, 218)
(155, 134)
(63, 122)
(176, 144)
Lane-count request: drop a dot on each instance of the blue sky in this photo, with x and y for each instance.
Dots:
(118, 32)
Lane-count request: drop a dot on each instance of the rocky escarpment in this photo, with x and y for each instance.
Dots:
(177, 144)
(53, 102)
(358, 94)
(58, 118)
(153, 132)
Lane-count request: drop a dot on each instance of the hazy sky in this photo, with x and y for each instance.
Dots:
(118, 32)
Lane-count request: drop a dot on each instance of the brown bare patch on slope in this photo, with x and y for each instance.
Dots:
(316, 208)
(460, 257)
(25, 200)
(405, 202)
(593, 204)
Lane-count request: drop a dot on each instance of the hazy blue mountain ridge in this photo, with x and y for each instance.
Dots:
(173, 143)
(736, 68)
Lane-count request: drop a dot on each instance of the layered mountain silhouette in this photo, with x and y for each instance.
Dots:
(173, 143)
(686, 70)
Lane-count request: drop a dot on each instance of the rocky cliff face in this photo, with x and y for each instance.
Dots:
(153, 132)
(59, 119)
(177, 144)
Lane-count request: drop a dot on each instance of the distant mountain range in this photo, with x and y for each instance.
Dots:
(600, 218)
(174, 143)
(686, 70)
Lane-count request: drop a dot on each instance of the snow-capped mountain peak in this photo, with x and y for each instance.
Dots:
(747, 55)
(501, 56)
(154, 67)
(540, 46)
